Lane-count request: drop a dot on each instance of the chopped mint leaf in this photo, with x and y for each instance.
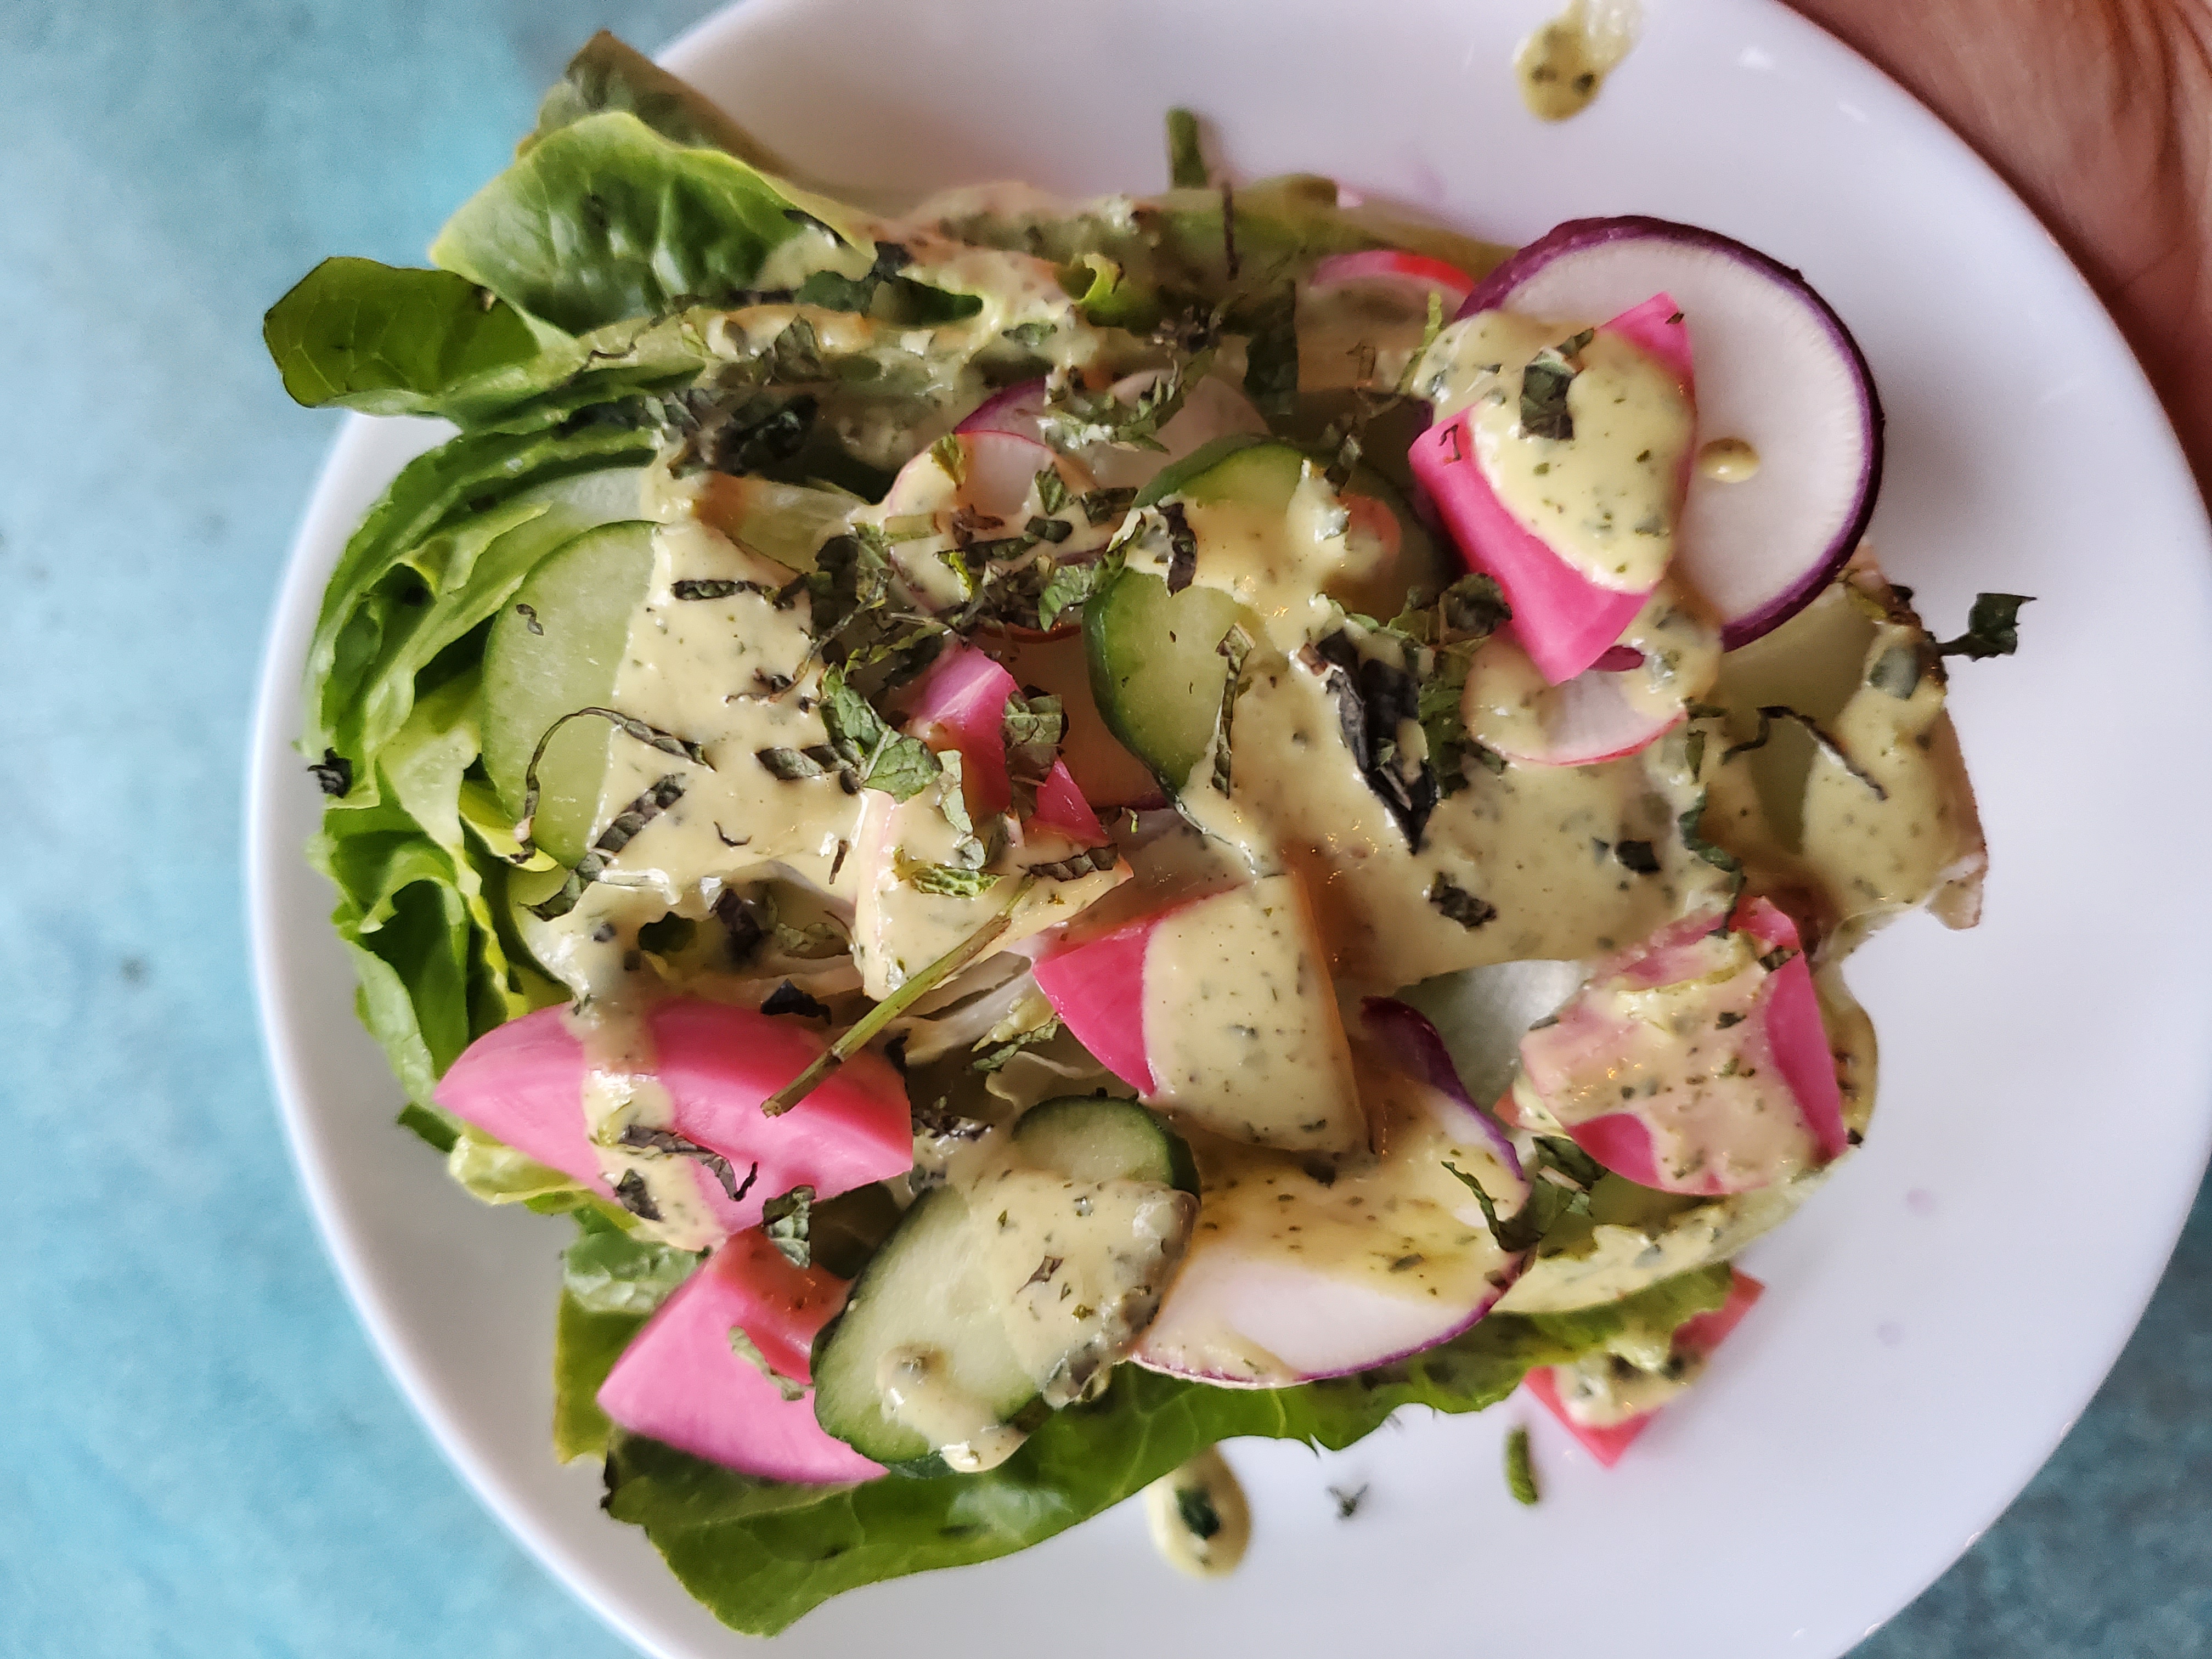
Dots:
(1071, 586)
(667, 1140)
(943, 880)
(1544, 412)
(1005, 1051)
(1186, 162)
(333, 774)
(1236, 645)
(747, 1350)
(901, 768)
(1183, 547)
(1520, 1475)
(951, 458)
(787, 1221)
(1992, 628)
(1030, 730)
(1459, 905)
(788, 998)
(1194, 1508)
(651, 736)
(617, 834)
(1031, 334)
(1348, 1502)
(1053, 493)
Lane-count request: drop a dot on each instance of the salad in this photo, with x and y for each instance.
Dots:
(1069, 831)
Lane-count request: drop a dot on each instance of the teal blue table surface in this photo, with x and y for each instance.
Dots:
(199, 1454)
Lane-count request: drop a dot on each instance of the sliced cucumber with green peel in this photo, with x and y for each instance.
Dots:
(1174, 478)
(925, 1318)
(1093, 1138)
(988, 1307)
(1156, 671)
(554, 648)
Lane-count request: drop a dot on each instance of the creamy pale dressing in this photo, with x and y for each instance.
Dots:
(1606, 498)
(1197, 1516)
(919, 1392)
(1240, 1024)
(1728, 460)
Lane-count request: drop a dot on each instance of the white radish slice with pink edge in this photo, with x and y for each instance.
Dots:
(1695, 1338)
(1211, 408)
(1252, 1048)
(1694, 1062)
(1511, 708)
(685, 1381)
(1412, 277)
(1289, 1280)
(1563, 619)
(1776, 369)
(522, 1083)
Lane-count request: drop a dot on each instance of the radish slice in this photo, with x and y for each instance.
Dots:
(682, 1381)
(1287, 1279)
(1565, 621)
(1777, 368)
(1418, 1048)
(1596, 716)
(1018, 409)
(1694, 1342)
(1690, 1065)
(523, 1083)
(1212, 408)
(1416, 275)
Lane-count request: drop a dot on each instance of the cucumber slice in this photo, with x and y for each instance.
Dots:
(1156, 671)
(553, 649)
(1091, 1138)
(925, 1319)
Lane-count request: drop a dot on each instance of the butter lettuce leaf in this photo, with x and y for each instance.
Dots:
(605, 219)
(760, 1554)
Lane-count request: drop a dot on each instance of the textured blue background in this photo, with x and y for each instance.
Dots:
(199, 1454)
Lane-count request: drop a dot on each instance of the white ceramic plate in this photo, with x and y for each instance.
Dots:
(1937, 1318)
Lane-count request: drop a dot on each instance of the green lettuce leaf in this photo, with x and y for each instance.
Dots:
(760, 1554)
(389, 341)
(605, 219)
(610, 1283)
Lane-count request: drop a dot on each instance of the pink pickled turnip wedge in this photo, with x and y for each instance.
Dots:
(1694, 1062)
(1288, 1279)
(522, 1083)
(1694, 1342)
(960, 704)
(1777, 370)
(1256, 1053)
(685, 1382)
(958, 709)
(1562, 618)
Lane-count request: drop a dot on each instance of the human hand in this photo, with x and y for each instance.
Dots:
(2099, 112)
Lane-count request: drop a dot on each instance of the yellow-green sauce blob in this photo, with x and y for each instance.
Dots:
(1562, 66)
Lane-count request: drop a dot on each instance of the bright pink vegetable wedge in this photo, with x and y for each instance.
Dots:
(522, 1083)
(684, 1382)
(1695, 1062)
(960, 704)
(1251, 954)
(1695, 1340)
(1565, 621)
(1776, 369)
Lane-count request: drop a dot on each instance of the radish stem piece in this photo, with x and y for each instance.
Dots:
(865, 1028)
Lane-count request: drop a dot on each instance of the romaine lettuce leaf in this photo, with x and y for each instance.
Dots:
(759, 1554)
